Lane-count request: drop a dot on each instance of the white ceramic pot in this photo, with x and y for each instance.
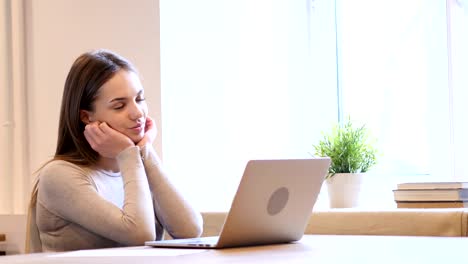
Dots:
(344, 190)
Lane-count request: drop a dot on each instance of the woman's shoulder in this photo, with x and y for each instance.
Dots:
(61, 165)
(61, 170)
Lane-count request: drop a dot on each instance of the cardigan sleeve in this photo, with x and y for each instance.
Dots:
(174, 212)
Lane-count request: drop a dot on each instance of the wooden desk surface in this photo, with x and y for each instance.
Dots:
(317, 249)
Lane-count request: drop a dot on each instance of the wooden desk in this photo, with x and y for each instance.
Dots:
(317, 249)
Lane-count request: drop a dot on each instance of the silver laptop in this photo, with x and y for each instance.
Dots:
(272, 205)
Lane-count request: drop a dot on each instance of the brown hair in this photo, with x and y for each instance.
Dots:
(86, 76)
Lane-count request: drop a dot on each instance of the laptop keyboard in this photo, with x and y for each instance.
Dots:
(197, 240)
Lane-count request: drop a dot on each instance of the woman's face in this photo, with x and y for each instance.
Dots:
(121, 104)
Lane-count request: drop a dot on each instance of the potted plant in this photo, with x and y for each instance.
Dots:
(352, 153)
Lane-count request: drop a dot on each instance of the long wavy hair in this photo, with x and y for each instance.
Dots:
(88, 73)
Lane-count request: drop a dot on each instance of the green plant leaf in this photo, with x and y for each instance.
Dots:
(349, 149)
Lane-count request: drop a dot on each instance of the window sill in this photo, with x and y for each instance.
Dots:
(376, 194)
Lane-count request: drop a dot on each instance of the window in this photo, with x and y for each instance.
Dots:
(392, 57)
(254, 79)
(458, 81)
(239, 82)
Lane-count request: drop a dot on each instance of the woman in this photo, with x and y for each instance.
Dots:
(105, 186)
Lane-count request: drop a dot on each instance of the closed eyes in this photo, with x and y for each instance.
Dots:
(122, 105)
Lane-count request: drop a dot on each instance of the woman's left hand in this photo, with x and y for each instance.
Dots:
(150, 132)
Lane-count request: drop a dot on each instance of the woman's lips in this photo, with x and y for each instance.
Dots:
(137, 128)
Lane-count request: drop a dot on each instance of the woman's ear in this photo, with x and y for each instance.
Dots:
(85, 117)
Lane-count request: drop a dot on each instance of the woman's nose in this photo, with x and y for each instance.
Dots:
(136, 111)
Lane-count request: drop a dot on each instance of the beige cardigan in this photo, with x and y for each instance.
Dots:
(77, 208)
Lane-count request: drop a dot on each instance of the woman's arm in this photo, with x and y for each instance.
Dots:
(176, 214)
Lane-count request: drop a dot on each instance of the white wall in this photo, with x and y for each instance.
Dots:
(5, 113)
(58, 31)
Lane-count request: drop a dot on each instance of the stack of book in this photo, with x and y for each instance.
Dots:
(431, 195)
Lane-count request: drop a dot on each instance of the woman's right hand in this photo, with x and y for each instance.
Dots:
(105, 140)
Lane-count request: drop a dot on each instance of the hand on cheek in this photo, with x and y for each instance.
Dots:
(105, 140)
(150, 132)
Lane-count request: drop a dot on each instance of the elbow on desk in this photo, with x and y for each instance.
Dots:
(189, 233)
(196, 230)
(190, 229)
(198, 226)
(138, 238)
(137, 234)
